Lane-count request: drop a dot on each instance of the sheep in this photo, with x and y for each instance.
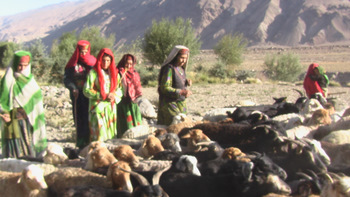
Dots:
(17, 165)
(126, 153)
(150, 147)
(338, 137)
(218, 114)
(290, 120)
(319, 117)
(99, 157)
(68, 177)
(28, 183)
(53, 154)
(120, 179)
(338, 153)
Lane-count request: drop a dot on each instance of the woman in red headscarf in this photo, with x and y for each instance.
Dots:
(172, 85)
(75, 75)
(129, 114)
(101, 88)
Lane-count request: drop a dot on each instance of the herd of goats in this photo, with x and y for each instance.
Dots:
(281, 149)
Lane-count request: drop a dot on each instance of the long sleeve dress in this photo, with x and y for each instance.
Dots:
(102, 113)
(171, 103)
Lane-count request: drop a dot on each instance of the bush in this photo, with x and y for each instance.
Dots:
(230, 49)
(164, 35)
(219, 70)
(285, 67)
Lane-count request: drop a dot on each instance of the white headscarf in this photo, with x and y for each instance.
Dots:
(173, 54)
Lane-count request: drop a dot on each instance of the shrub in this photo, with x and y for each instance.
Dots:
(230, 49)
(162, 36)
(285, 67)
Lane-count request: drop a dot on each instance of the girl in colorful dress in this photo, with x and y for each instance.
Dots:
(129, 114)
(21, 110)
(101, 87)
(75, 75)
(172, 85)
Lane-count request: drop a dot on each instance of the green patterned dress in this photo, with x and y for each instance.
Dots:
(169, 103)
(102, 114)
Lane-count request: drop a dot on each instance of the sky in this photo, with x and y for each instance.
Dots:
(11, 7)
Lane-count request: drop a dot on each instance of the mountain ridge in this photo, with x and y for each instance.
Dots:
(263, 22)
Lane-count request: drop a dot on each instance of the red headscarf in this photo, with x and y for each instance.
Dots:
(121, 65)
(311, 87)
(86, 59)
(113, 72)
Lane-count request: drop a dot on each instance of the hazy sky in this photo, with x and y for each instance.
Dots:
(10, 7)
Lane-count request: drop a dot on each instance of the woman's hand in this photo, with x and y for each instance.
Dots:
(185, 93)
(111, 96)
(5, 117)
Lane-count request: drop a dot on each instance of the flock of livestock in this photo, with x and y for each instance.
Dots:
(282, 149)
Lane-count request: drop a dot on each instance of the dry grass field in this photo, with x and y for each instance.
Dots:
(335, 58)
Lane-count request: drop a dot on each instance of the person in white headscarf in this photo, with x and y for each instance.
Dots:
(172, 85)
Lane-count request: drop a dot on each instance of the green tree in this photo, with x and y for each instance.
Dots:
(284, 67)
(97, 41)
(41, 63)
(162, 36)
(7, 50)
(230, 49)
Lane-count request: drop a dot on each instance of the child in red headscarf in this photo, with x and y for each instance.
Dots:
(316, 83)
(75, 75)
(129, 114)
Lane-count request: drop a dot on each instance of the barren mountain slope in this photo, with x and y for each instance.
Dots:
(265, 21)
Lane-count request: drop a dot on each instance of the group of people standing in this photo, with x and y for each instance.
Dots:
(104, 95)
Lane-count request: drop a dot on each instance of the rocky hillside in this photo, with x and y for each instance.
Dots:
(281, 22)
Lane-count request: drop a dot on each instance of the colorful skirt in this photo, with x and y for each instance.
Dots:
(17, 138)
(167, 111)
(129, 116)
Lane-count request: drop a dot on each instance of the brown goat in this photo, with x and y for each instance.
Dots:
(233, 153)
(126, 153)
(119, 178)
(151, 146)
(99, 157)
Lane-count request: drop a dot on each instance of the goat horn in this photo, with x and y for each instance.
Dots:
(205, 143)
(304, 175)
(156, 176)
(141, 179)
(301, 94)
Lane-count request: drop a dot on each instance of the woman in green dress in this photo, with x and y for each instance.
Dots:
(172, 85)
(101, 88)
(23, 130)
(129, 114)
